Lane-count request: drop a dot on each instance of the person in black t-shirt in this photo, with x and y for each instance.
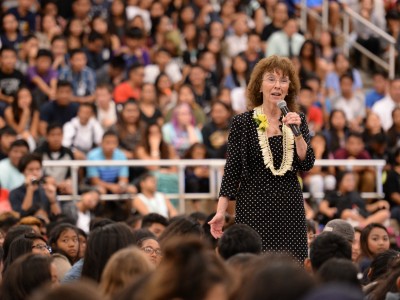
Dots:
(10, 78)
(280, 15)
(392, 184)
(59, 111)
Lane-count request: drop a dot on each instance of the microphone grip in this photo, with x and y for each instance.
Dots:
(294, 127)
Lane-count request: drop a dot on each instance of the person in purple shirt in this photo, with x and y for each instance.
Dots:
(135, 40)
(42, 77)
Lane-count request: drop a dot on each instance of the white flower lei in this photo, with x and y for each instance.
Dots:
(288, 147)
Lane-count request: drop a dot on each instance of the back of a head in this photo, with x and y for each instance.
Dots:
(124, 267)
(12, 234)
(28, 273)
(102, 243)
(339, 270)
(143, 233)
(328, 245)
(278, 279)
(381, 264)
(335, 291)
(239, 238)
(342, 228)
(387, 283)
(188, 271)
(181, 226)
(79, 290)
(151, 218)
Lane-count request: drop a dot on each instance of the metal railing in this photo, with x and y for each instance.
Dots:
(350, 15)
(216, 172)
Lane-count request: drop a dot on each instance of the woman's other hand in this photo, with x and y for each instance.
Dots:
(216, 224)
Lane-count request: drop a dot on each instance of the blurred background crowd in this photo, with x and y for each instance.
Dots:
(162, 79)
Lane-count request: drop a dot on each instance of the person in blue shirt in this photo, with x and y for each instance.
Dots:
(112, 179)
(379, 89)
(82, 77)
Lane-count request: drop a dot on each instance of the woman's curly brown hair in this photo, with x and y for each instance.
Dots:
(270, 64)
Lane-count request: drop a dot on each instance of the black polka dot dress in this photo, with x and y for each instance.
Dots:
(272, 205)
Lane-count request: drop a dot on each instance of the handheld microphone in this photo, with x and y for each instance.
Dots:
(284, 109)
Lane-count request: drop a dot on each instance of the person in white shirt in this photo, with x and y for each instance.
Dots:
(106, 109)
(384, 107)
(286, 42)
(151, 201)
(83, 132)
(350, 102)
(163, 63)
(10, 176)
(237, 42)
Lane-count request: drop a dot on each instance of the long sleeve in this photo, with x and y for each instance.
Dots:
(308, 162)
(69, 132)
(233, 166)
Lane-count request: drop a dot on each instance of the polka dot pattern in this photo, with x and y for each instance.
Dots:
(272, 205)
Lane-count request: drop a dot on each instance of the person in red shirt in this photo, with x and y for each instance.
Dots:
(132, 87)
(314, 115)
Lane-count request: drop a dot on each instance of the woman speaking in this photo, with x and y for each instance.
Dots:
(265, 150)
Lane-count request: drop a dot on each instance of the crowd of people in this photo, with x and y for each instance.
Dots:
(137, 79)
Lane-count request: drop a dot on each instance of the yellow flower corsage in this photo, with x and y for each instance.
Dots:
(262, 122)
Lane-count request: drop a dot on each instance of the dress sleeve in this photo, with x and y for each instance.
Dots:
(233, 165)
(308, 162)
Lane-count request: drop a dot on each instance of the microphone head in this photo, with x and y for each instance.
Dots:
(281, 104)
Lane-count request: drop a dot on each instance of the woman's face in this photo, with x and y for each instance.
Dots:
(378, 241)
(342, 64)
(49, 22)
(24, 99)
(68, 242)
(355, 247)
(325, 39)
(153, 251)
(186, 95)
(217, 30)
(274, 87)
(164, 83)
(239, 65)
(156, 10)
(184, 115)
(148, 93)
(373, 122)
(338, 120)
(117, 8)
(76, 28)
(100, 26)
(348, 183)
(187, 15)
(307, 51)
(130, 113)
(10, 23)
(219, 114)
(189, 32)
(40, 247)
(214, 46)
(199, 153)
